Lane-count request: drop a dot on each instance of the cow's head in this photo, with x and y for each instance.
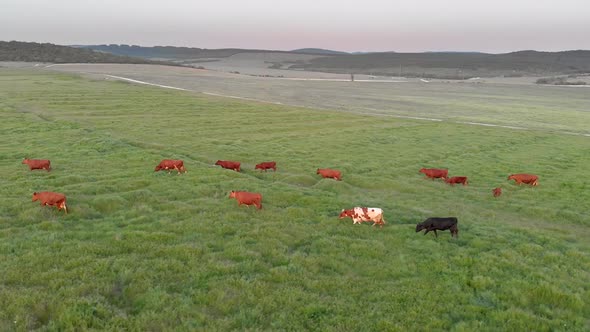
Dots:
(346, 213)
(422, 170)
(318, 171)
(258, 166)
(158, 168)
(35, 196)
(419, 227)
(232, 194)
(511, 176)
(218, 162)
(25, 161)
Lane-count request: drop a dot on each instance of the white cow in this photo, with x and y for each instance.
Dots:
(360, 214)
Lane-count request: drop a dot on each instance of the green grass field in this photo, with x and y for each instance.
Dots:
(145, 251)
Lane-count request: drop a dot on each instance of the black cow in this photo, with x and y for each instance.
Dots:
(441, 224)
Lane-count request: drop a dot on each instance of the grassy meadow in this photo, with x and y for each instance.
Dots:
(146, 251)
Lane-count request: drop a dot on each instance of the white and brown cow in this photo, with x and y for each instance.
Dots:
(360, 214)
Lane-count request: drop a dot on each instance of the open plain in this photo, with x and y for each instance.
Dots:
(146, 251)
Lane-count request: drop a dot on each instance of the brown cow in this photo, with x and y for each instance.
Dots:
(434, 173)
(330, 173)
(228, 164)
(456, 179)
(360, 214)
(38, 164)
(52, 199)
(524, 178)
(248, 198)
(266, 165)
(497, 192)
(171, 164)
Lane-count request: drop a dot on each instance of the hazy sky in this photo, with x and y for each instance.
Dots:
(369, 25)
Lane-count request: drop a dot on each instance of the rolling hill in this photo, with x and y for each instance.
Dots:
(45, 52)
(454, 65)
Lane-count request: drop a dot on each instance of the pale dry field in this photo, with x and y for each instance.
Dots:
(479, 102)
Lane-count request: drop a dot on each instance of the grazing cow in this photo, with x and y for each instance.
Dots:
(434, 173)
(266, 165)
(330, 173)
(38, 164)
(360, 214)
(441, 224)
(497, 192)
(52, 199)
(524, 178)
(170, 164)
(248, 198)
(229, 164)
(456, 179)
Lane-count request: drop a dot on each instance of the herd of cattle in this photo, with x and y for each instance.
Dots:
(357, 214)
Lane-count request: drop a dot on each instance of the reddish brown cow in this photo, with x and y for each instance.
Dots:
(38, 164)
(228, 164)
(266, 165)
(52, 199)
(456, 179)
(524, 178)
(248, 198)
(330, 173)
(497, 192)
(434, 173)
(171, 164)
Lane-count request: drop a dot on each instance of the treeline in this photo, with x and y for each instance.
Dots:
(559, 81)
(37, 52)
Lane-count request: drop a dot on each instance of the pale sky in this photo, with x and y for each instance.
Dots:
(494, 26)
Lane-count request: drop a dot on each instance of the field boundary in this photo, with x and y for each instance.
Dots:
(372, 109)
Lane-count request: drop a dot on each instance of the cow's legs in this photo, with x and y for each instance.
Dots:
(435, 233)
(427, 230)
(455, 231)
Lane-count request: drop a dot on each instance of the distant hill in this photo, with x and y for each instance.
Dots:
(319, 51)
(36, 52)
(444, 65)
(183, 53)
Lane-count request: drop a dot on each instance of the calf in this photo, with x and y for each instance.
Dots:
(228, 164)
(38, 164)
(248, 198)
(330, 173)
(441, 224)
(456, 179)
(171, 164)
(434, 173)
(524, 178)
(52, 199)
(266, 165)
(497, 192)
(360, 214)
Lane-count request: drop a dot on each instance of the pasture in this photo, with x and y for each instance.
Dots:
(146, 251)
